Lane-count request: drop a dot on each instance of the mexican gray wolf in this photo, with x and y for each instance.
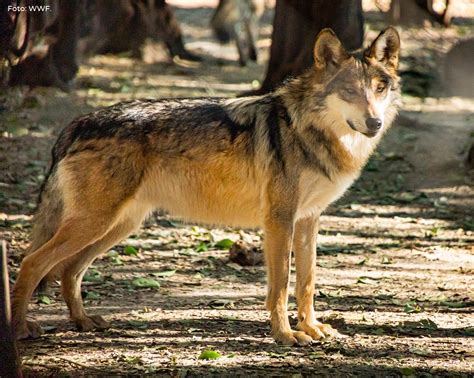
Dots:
(274, 161)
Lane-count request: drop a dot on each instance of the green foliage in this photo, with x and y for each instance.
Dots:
(144, 282)
(209, 355)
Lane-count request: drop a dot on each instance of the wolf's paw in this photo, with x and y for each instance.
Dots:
(317, 330)
(292, 338)
(28, 330)
(89, 323)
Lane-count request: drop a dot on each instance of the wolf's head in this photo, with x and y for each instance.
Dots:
(359, 91)
(354, 92)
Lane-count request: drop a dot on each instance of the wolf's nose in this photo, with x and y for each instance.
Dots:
(373, 124)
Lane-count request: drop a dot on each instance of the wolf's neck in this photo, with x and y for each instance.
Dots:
(359, 146)
(348, 153)
(345, 149)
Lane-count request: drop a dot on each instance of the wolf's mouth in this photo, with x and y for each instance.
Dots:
(369, 134)
(351, 125)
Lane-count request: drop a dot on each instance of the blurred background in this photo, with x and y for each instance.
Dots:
(407, 223)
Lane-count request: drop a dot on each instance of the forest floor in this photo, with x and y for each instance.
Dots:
(395, 270)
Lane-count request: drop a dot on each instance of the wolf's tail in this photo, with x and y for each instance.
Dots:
(48, 216)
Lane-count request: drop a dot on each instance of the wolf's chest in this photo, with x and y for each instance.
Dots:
(316, 191)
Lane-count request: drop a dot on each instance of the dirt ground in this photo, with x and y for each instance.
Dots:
(395, 269)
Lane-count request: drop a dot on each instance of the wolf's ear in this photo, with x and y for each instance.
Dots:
(328, 50)
(386, 48)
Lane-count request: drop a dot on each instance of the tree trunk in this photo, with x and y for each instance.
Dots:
(14, 34)
(118, 26)
(295, 27)
(56, 66)
(168, 30)
(121, 26)
(10, 365)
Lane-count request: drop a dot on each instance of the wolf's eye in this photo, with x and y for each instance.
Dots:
(380, 88)
(350, 91)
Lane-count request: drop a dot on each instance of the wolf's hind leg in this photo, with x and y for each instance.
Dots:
(76, 266)
(73, 235)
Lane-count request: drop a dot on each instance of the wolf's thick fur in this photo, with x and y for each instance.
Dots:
(274, 161)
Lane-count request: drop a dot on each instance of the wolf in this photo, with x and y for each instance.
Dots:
(238, 20)
(274, 161)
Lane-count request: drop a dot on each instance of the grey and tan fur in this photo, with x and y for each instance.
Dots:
(274, 161)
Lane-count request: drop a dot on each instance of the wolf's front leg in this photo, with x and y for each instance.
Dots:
(304, 246)
(277, 247)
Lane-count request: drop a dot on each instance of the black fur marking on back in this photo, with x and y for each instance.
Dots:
(135, 121)
(277, 113)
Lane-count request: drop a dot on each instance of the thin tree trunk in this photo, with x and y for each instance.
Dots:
(10, 365)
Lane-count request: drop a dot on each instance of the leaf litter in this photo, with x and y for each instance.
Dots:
(189, 304)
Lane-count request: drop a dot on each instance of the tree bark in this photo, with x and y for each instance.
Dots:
(121, 26)
(56, 66)
(118, 26)
(10, 365)
(295, 27)
(11, 25)
(168, 30)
